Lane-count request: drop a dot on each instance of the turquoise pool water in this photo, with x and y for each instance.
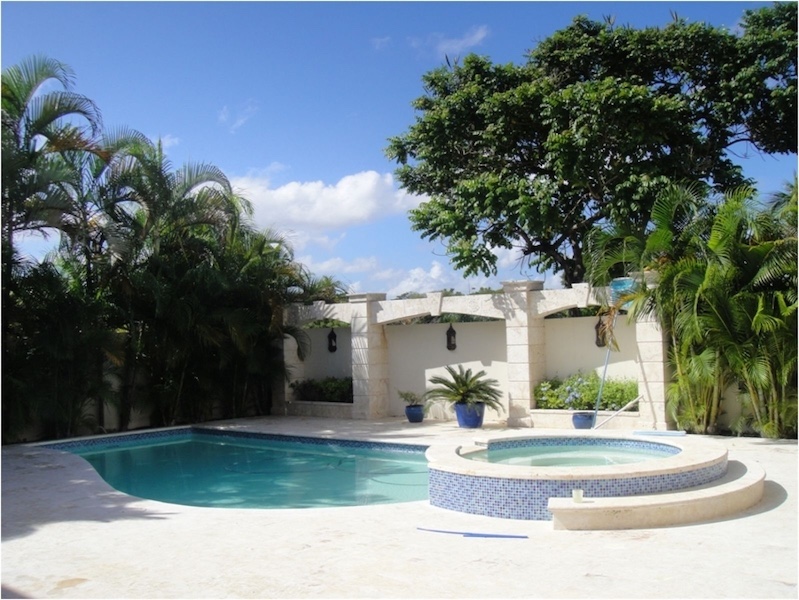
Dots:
(577, 455)
(212, 470)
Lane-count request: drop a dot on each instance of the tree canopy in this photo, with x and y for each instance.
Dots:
(598, 121)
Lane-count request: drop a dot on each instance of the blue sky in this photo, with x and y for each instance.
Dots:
(295, 101)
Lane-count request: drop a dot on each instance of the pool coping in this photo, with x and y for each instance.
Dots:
(131, 437)
(694, 453)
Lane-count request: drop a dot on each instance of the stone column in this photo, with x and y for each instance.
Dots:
(526, 358)
(369, 359)
(653, 374)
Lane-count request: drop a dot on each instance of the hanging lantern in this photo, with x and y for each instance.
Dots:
(331, 341)
(451, 338)
(601, 333)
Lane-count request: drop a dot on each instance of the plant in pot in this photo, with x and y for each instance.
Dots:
(584, 394)
(468, 393)
(414, 406)
(581, 419)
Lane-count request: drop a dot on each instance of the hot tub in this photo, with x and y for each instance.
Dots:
(521, 491)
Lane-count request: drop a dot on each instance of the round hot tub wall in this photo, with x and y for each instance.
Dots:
(522, 492)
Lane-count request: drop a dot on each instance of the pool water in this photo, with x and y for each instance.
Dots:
(577, 455)
(225, 471)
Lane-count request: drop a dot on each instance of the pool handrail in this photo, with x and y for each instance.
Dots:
(622, 409)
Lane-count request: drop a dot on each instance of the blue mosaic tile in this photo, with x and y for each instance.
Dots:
(129, 439)
(528, 498)
(126, 439)
(645, 445)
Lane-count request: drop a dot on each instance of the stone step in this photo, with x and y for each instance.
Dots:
(739, 489)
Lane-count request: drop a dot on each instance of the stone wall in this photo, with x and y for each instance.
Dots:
(519, 350)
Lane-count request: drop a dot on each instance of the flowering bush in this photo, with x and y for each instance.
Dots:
(579, 392)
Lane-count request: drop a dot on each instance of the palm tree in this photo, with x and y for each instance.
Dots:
(35, 126)
(753, 283)
(94, 224)
(262, 278)
(726, 297)
(172, 202)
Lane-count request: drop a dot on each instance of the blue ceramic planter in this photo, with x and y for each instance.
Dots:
(583, 420)
(470, 415)
(415, 413)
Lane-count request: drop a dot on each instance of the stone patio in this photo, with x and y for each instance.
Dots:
(67, 534)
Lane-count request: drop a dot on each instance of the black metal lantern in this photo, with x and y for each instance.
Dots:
(601, 333)
(331, 341)
(451, 338)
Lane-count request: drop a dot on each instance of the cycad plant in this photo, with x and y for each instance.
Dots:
(464, 387)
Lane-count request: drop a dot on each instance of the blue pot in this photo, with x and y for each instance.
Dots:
(620, 287)
(415, 413)
(583, 420)
(470, 415)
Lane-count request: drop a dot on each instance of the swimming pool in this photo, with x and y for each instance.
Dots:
(204, 467)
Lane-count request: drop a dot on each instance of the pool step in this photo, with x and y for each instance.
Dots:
(739, 489)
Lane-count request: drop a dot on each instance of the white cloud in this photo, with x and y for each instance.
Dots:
(507, 258)
(167, 141)
(388, 274)
(327, 242)
(240, 117)
(456, 46)
(354, 199)
(337, 266)
(449, 46)
(378, 43)
(421, 280)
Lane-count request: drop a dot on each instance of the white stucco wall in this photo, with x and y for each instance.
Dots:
(571, 348)
(418, 352)
(321, 363)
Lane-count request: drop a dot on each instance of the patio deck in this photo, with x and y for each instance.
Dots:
(67, 534)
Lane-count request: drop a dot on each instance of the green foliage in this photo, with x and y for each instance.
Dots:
(726, 297)
(580, 392)
(326, 324)
(589, 131)
(326, 288)
(329, 389)
(462, 386)
(54, 355)
(158, 281)
(411, 398)
(768, 73)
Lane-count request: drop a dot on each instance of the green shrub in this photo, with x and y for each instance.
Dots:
(329, 389)
(579, 392)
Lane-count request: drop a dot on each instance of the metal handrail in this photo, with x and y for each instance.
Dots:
(622, 409)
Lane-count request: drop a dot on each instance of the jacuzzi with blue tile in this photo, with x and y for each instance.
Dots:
(522, 492)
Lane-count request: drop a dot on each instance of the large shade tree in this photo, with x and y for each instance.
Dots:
(597, 122)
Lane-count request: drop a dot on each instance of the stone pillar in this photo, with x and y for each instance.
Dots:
(285, 395)
(653, 374)
(524, 335)
(369, 359)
